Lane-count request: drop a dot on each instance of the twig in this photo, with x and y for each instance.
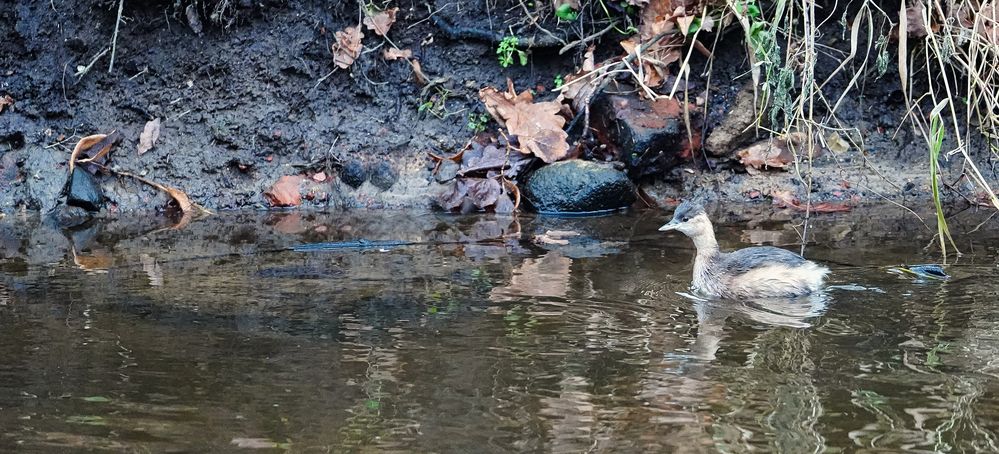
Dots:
(114, 39)
(584, 41)
(79, 74)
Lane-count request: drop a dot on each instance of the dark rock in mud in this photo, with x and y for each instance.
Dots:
(84, 191)
(383, 175)
(738, 126)
(650, 137)
(578, 186)
(354, 173)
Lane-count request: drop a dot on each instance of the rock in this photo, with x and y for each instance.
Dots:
(353, 174)
(447, 171)
(650, 137)
(286, 192)
(738, 126)
(577, 186)
(84, 191)
(69, 216)
(383, 175)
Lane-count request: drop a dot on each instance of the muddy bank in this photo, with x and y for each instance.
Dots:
(250, 99)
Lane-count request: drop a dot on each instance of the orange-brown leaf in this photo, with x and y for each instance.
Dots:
(381, 22)
(538, 126)
(347, 47)
(769, 153)
(105, 142)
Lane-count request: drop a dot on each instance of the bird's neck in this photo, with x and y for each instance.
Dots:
(705, 243)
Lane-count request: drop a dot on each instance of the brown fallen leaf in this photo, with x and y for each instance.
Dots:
(785, 199)
(381, 22)
(95, 146)
(5, 101)
(96, 261)
(286, 192)
(179, 197)
(484, 192)
(421, 78)
(394, 54)
(538, 126)
(915, 27)
(769, 153)
(347, 47)
(150, 133)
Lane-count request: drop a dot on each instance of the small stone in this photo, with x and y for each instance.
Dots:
(319, 177)
(66, 216)
(447, 171)
(577, 186)
(353, 174)
(286, 192)
(84, 191)
(384, 175)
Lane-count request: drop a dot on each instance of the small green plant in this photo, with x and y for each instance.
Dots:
(507, 49)
(477, 122)
(436, 104)
(559, 81)
(935, 142)
(566, 12)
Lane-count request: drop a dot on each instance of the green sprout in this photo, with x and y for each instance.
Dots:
(477, 122)
(559, 81)
(566, 13)
(507, 49)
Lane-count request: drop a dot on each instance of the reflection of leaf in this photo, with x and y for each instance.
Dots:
(538, 126)
(381, 22)
(258, 443)
(96, 399)
(150, 133)
(347, 47)
(547, 275)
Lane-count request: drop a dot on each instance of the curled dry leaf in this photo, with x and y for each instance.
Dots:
(286, 192)
(421, 78)
(381, 22)
(95, 146)
(484, 192)
(347, 47)
(538, 126)
(5, 101)
(149, 135)
(393, 53)
(179, 197)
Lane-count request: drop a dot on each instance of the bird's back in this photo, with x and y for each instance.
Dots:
(765, 271)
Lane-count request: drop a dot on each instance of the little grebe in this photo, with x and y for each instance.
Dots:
(747, 273)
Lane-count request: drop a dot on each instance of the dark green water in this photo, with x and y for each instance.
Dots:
(488, 337)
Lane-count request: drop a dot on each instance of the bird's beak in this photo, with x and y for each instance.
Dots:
(672, 225)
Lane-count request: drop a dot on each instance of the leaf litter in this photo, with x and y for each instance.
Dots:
(150, 133)
(347, 47)
(381, 22)
(536, 125)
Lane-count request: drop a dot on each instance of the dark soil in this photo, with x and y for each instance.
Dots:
(252, 98)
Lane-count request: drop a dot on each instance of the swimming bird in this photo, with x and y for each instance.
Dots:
(753, 272)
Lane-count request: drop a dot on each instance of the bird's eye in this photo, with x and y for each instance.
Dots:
(684, 219)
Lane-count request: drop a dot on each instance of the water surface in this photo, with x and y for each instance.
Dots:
(488, 334)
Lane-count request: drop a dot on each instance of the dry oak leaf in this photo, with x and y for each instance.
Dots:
(347, 47)
(150, 133)
(538, 126)
(395, 54)
(381, 22)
